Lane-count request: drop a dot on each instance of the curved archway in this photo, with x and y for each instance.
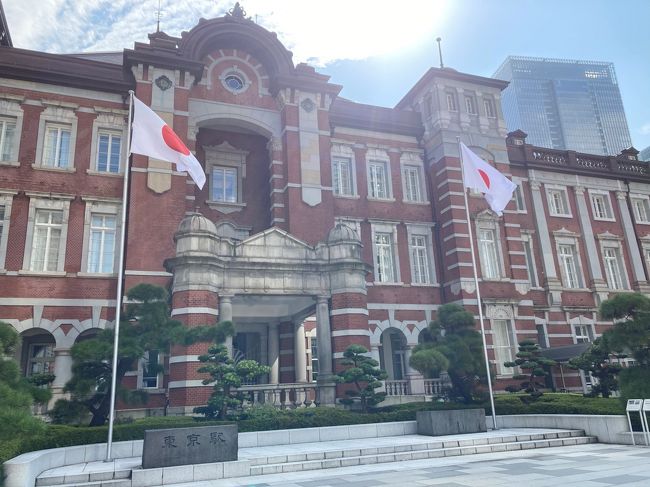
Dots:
(392, 353)
(36, 354)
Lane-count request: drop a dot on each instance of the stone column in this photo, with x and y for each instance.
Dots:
(552, 283)
(300, 357)
(274, 353)
(640, 284)
(62, 371)
(225, 314)
(326, 387)
(416, 380)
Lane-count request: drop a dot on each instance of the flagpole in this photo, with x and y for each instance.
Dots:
(120, 278)
(478, 290)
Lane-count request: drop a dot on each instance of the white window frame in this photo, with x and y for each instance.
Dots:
(562, 192)
(112, 123)
(518, 197)
(504, 352)
(598, 199)
(488, 106)
(313, 359)
(391, 229)
(57, 203)
(379, 157)
(581, 332)
(105, 207)
(222, 156)
(486, 222)
(529, 257)
(159, 376)
(423, 231)
(57, 115)
(47, 359)
(10, 110)
(644, 202)
(345, 152)
(563, 240)
(470, 105)
(612, 242)
(6, 200)
(412, 162)
(645, 248)
(452, 103)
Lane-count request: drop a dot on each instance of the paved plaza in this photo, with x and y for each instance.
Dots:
(594, 465)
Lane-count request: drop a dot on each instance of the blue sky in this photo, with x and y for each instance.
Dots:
(378, 49)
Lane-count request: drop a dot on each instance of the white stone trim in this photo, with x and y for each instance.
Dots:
(380, 156)
(564, 191)
(179, 384)
(414, 160)
(114, 122)
(414, 229)
(104, 208)
(134, 272)
(37, 203)
(83, 302)
(60, 114)
(349, 311)
(345, 151)
(351, 333)
(386, 227)
(195, 310)
(6, 200)
(10, 109)
(608, 203)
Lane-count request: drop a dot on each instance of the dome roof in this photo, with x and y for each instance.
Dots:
(196, 222)
(342, 233)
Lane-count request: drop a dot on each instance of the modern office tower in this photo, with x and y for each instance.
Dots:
(565, 104)
(644, 155)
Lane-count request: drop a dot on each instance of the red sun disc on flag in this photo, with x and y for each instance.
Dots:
(173, 141)
(484, 177)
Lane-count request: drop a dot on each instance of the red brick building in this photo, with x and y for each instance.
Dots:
(324, 222)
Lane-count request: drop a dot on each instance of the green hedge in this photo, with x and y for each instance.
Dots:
(267, 418)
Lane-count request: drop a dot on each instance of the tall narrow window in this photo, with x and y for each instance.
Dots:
(108, 152)
(378, 180)
(469, 105)
(420, 268)
(600, 204)
(488, 253)
(568, 266)
(583, 333)
(542, 339)
(451, 102)
(518, 198)
(150, 370)
(101, 254)
(314, 358)
(56, 151)
(7, 134)
(412, 184)
(557, 202)
(41, 359)
(641, 210)
(342, 177)
(612, 258)
(530, 263)
(502, 345)
(385, 264)
(224, 184)
(489, 108)
(2, 224)
(48, 225)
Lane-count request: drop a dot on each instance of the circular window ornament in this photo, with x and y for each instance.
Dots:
(234, 80)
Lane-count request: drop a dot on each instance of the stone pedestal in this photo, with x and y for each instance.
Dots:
(452, 422)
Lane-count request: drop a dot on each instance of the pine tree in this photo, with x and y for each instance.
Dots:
(364, 373)
(530, 359)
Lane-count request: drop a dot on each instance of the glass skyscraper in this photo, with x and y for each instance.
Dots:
(565, 104)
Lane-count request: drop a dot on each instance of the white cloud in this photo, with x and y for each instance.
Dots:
(315, 31)
(645, 129)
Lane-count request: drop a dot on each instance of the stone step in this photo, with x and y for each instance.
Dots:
(420, 454)
(123, 482)
(93, 479)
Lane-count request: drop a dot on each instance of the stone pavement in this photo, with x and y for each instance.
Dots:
(593, 465)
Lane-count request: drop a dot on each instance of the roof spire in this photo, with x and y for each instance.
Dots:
(438, 39)
(158, 15)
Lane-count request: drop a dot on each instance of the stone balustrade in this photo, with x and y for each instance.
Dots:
(283, 396)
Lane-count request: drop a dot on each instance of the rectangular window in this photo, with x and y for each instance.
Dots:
(568, 266)
(641, 210)
(420, 269)
(469, 105)
(557, 202)
(530, 263)
(612, 260)
(378, 180)
(150, 370)
(7, 134)
(101, 252)
(502, 345)
(342, 177)
(41, 359)
(56, 151)
(600, 205)
(542, 340)
(109, 147)
(583, 333)
(48, 226)
(518, 198)
(489, 108)
(385, 265)
(451, 102)
(2, 223)
(487, 245)
(224, 184)
(412, 183)
(314, 358)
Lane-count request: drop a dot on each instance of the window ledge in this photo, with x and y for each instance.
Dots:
(152, 390)
(642, 223)
(92, 172)
(54, 169)
(428, 284)
(376, 283)
(10, 163)
(42, 273)
(225, 207)
(347, 196)
(577, 289)
(97, 275)
(604, 219)
(560, 216)
(383, 200)
(419, 203)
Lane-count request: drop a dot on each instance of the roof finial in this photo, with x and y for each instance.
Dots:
(158, 15)
(237, 11)
(438, 39)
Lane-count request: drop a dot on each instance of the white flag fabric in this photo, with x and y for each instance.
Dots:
(154, 138)
(481, 176)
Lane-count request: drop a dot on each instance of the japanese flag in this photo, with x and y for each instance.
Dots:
(152, 137)
(480, 176)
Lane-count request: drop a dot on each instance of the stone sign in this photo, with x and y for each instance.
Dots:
(451, 422)
(186, 446)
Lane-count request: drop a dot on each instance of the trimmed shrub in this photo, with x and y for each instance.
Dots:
(634, 383)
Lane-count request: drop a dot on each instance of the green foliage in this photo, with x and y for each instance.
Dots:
(596, 361)
(364, 373)
(146, 326)
(635, 383)
(530, 359)
(226, 374)
(453, 336)
(631, 331)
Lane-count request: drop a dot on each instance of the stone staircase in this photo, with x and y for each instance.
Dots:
(311, 456)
